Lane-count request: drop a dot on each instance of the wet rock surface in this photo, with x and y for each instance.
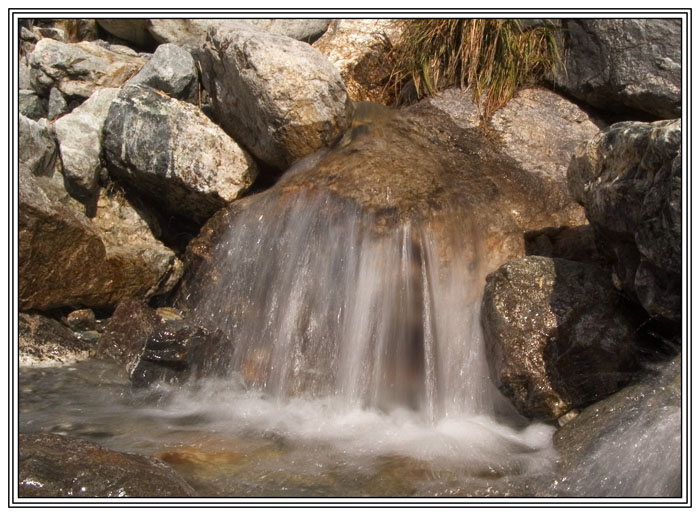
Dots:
(628, 178)
(558, 335)
(278, 97)
(610, 448)
(624, 64)
(52, 465)
(173, 154)
(45, 342)
(179, 351)
(125, 333)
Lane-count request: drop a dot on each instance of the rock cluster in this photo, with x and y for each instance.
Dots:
(125, 154)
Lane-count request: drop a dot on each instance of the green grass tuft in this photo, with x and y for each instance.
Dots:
(490, 57)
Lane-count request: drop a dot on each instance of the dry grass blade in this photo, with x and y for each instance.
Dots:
(491, 57)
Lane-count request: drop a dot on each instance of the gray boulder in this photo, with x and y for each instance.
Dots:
(79, 69)
(57, 104)
(171, 70)
(79, 135)
(624, 64)
(278, 97)
(52, 465)
(37, 147)
(30, 105)
(179, 30)
(558, 335)
(170, 151)
(628, 178)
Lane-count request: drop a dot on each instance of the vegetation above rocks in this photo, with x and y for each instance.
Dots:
(491, 57)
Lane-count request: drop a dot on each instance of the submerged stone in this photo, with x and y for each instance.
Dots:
(54, 466)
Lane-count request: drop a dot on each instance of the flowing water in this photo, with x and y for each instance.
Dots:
(359, 367)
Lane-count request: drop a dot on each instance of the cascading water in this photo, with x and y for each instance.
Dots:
(351, 293)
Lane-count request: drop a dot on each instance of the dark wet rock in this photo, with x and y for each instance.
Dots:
(79, 69)
(179, 351)
(558, 335)
(57, 104)
(628, 444)
(54, 466)
(172, 71)
(278, 97)
(623, 65)
(360, 51)
(571, 243)
(173, 154)
(81, 320)
(31, 105)
(45, 342)
(125, 333)
(628, 178)
(79, 135)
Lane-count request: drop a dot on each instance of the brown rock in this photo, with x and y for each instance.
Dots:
(45, 342)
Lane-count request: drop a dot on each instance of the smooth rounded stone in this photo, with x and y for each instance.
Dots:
(623, 65)
(30, 105)
(79, 69)
(558, 335)
(627, 445)
(628, 178)
(179, 350)
(81, 320)
(359, 49)
(125, 333)
(171, 152)
(37, 147)
(172, 71)
(69, 259)
(45, 342)
(53, 466)
(278, 97)
(134, 30)
(177, 30)
(79, 135)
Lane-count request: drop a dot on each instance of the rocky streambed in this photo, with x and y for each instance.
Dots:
(241, 275)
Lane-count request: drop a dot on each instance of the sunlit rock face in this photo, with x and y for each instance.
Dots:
(360, 273)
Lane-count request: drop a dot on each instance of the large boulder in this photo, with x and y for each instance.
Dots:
(538, 129)
(79, 69)
(278, 97)
(624, 65)
(172, 153)
(53, 466)
(170, 70)
(79, 135)
(68, 259)
(134, 30)
(558, 335)
(359, 49)
(45, 342)
(628, 178)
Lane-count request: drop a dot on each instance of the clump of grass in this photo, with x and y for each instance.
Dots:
(491, 57)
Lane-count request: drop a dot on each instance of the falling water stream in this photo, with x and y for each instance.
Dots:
(359, 367)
